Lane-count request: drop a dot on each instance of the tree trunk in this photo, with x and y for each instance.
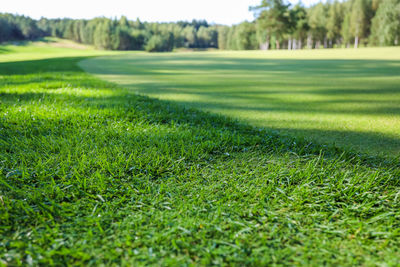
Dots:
(294, 44)
(277, 44)
(267, 43)
(339, 42)
(289, 45)
(265, 46)
(325, 42)
(317, 44)
(309, 42)
(330, 43)
(300, 44)
(356, 42)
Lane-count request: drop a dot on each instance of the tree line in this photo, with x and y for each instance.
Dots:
(278, 25)
(331, 24)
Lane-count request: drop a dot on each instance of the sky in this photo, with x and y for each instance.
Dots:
(214, 11)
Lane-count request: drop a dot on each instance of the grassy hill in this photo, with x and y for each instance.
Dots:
(92, 173)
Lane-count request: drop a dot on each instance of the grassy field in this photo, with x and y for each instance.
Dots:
(92, 173)
(347, 97)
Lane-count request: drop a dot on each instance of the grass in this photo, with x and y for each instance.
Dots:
(94, 174)
(47, 48)
(347, 97)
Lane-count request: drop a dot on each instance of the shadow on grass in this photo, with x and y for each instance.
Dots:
(28, 42)
(159, 112)
(63, 70)
(280, 86)
(267, 101)
(182, 64)
(159, 171)
(4, 50)
(31, 67)
(263, 82)
(55, 72)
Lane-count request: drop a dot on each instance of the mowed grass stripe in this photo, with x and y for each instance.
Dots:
(92, 174)
(350, 98)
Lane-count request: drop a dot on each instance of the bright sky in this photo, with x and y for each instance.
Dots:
(214, 11)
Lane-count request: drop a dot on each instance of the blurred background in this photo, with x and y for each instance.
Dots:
(232, 25)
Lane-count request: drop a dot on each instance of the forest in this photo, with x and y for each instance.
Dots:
(278, 25)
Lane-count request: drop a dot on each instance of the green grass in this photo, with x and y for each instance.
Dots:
(47, 48)
(92, 174)
(347, 97)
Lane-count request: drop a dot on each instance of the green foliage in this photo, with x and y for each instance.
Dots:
(334, 23)
(160, 43)
(109, 34)
(207, 37)
(318, 21)
(223, 32)
(278, 25)
(190, 36)
(299, 23)
(359, 22)
(274, 17)
(240, 37)
(327, 23)
(103, 35)
(386, 24)
(346, 32)
(18, 28)
(246, 36)
(5, 30)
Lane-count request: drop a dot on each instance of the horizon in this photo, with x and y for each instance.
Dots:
(179, 10)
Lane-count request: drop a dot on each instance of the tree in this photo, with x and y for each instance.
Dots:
(103, 35)
(346, 30)
(207, 37)
(223, 37)
(138, 39)
(317, 19)
(273, 16)
(386, 24)
(87, 36)
(277, 24)
(203, 37)
(44, 25)
(190, 36)
(231, 40)
(299, 25)
(358, 20)
(160, 43)
(245, 36)
(334, 22)
(263, 35)
(123, 22)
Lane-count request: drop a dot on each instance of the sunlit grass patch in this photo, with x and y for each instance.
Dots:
(93, 174)
(345, 97)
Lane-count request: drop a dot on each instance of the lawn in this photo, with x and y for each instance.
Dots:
(343, 96)
(91, 173)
